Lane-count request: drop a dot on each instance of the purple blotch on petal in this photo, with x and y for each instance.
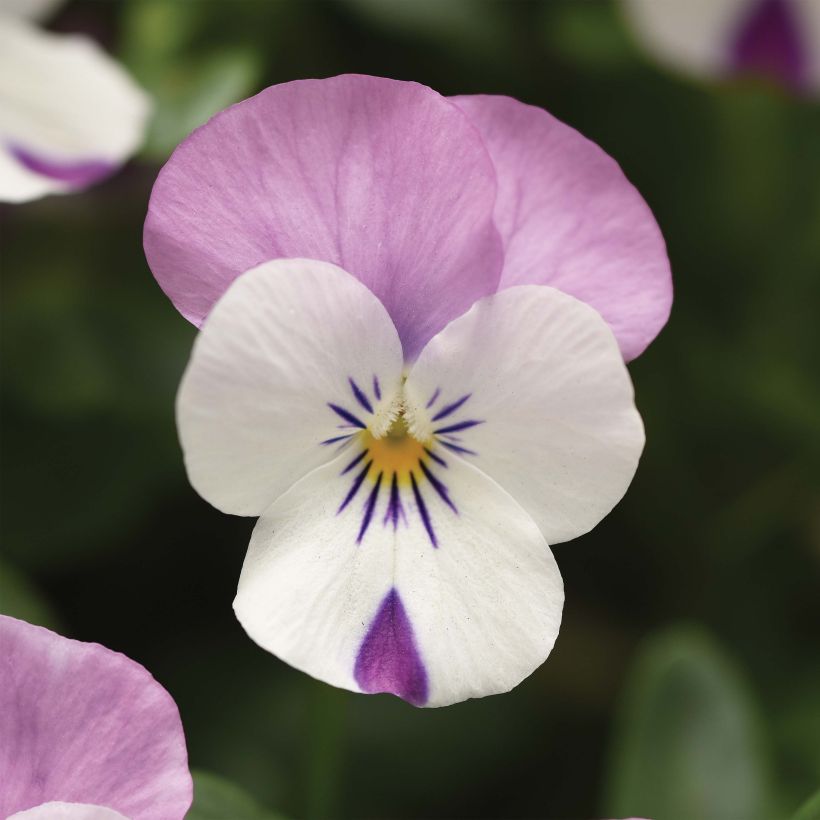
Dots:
(360, 396)
(449, 409)
(346, 415)
(768, 42)
(425, 516)
(369, 507)
(77, 174)
(388, 659)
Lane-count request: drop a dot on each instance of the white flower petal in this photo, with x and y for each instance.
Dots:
(68, 811)
(530, 386)
(435, 595)
(30, 9)
(69, 114)
(295, 353)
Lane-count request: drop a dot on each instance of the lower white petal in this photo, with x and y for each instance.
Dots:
(69, 114)
(530, 386)
(434, 585)
(67, 811)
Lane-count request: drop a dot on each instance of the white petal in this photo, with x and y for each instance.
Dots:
(286, 341)
(67, 811)
(69, 114)
(690, 34)
(530, 386)
(438, 602)
(30, 9)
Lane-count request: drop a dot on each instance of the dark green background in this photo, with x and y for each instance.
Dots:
(685, 683)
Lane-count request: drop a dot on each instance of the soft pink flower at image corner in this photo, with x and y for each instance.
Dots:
(85, 733)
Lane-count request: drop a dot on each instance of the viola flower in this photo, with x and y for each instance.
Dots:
(391, 383)
(69, 114)
(87, 733)
(778, 40)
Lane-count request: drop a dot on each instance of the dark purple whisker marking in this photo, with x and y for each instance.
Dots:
(360, 396)
(458, 449)
(435, 458)
(425, 516)
(336, 438)
(354, 462)
(394, 508)
(438, 487)
(369, 507)
(454, 428)
(449, 409)
(376, 388)
(433, 398)
(354, 488)
(346, 415)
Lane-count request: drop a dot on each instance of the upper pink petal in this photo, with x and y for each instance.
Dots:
(570, 219)
(386, 179)
(82, 724)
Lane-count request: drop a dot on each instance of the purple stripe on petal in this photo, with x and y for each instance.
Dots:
(354, 462)
(377, 388)
(388, 660)
(354, 488)
(438, 486)
(394, 507)
(78, 174)
(369, 507)
(454, 428)
(768, 41)
(433, 398)
(435, 457)
(449, 409)
(425, 516)
(458, 449)
(346, 415)
(360, 396)
(335, 439)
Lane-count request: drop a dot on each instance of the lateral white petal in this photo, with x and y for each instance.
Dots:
(69, 114)
(443, 595)
(292, 355)
(543, 404)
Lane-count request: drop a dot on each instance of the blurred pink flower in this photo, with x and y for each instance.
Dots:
(87, 734)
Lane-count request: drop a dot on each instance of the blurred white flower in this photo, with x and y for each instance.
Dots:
(778, 40)
(69, 114)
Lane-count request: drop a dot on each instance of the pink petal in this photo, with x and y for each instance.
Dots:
(83, 724)
(570, 219)
(386, 179)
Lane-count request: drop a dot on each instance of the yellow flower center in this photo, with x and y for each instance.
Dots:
(397, 452)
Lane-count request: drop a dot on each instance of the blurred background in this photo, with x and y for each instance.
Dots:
(685, 683)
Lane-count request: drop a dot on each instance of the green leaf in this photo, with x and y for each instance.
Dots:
(810, 810)
(19, 599)
(687, 744)
(217, 799)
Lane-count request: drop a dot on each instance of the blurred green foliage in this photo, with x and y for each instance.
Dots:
(103, 538)
(217, 799)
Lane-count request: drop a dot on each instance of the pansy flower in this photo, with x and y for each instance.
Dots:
(403, 368)
(69, 114)
(87, 734)
(778, 40)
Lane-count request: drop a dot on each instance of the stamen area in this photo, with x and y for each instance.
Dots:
(397, 453)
